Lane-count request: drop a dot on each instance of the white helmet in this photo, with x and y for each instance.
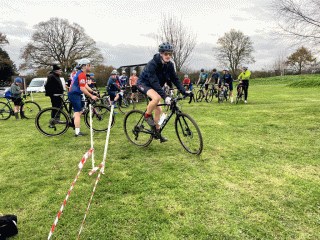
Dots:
(244, 67)
(134, 71)
(186, 76)
(114, 72)
(123, 71)
(226, 69)
(84, 61)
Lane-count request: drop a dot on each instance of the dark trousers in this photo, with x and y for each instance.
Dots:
(245, 84)
(56, 102)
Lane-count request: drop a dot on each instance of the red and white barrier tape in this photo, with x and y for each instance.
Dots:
(84, 159)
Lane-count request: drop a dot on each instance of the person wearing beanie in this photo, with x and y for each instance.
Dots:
(16, 98)
(54, 86)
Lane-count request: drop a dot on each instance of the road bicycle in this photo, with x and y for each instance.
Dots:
(240, 93)
(201, 95)
(212, 92)
(224, 93)
(55, 121)
(139, 133)
(31, 108)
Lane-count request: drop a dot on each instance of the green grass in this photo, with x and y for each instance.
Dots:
(257, 177)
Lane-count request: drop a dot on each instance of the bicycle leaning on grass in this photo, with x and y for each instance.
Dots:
(55, 121)
(139, 132)
(31, 108)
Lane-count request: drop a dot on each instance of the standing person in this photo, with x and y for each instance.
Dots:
(159, 70)
(227, 78)
(113, 89)
(186, 82)
(123, 80)
(78, 87)
(54, 86)
(133, 85)
(16, 98)
(204, 79)
(244, 79)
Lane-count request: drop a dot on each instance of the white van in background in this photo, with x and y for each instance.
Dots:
(37, 85)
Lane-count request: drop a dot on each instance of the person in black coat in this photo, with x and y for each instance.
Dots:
(54, 86)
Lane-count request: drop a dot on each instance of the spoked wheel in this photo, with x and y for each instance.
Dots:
(199, 96)
(31, 109)
(100, 118)
(209, 96)
(220, 96)
(136, 129)
(239, 96)
(5, 111)
(125, 104)
(52, 122)
(188, 134)
(227, 94)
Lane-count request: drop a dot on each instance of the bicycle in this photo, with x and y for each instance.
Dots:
(55, 121)
(212, 92)
(240, 93)
(124, 103)
(140, 133)
(31, 108)
(224, 93)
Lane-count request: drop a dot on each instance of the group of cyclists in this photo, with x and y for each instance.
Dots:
(225, 81)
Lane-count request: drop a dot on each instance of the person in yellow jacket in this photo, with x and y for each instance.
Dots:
(244, 79)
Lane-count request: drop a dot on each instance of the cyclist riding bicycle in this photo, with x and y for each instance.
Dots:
(227, 78)
(204, 80)
(244, 80)
(78, 87)
(216, 76)
(159, 70)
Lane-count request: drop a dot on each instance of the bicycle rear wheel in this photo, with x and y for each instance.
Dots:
(227, 94)
(199, 96)
(52, 126)
(136, 129)
(100, 118)
(188, 134)
(5, 111)
(209, 95)
(31, 109)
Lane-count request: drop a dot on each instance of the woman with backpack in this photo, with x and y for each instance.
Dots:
(16, 98)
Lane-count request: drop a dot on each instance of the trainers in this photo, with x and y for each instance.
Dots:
(245, 101)
(81, 134)
(115, 106)
(115, 112)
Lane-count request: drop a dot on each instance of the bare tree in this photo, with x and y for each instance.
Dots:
(234, 49)
(173, 31)
(299, 19)
(58, 41)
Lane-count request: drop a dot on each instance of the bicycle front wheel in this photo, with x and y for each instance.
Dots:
(31, 109)
(100, 118)
(5, 111)
(188, 134)
(209, 96)
(136, 129)
(199, 96)
(52, 122)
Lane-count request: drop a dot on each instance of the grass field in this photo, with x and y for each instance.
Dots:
(257, 178)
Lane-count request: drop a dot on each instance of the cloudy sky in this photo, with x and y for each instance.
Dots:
(124, 29)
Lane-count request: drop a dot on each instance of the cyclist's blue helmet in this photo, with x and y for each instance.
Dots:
(202, 70)
(18, 80)
(91, 74)
(165, 47)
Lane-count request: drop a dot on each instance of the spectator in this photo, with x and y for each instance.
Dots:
(16, 98)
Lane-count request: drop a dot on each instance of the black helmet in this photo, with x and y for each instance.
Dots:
(165, 47)
(214, 70)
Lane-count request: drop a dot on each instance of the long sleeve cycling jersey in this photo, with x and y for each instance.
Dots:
(245, 76)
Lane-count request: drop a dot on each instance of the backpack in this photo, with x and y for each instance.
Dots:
(8, 94)
(8, 226)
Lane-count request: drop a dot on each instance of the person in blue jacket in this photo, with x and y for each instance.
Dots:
(159, 70)
(113, 89)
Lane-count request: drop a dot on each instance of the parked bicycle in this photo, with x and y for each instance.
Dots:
(31, 108)
(139, 132)
(56, 121)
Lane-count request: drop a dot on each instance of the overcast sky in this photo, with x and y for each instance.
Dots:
(124, 29)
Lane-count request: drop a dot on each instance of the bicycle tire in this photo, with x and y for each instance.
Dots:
(188, 134)
(31, 109)
(133, 128)
(47, 126)
(5, 111)
(199, 96)
(227, 94)
(209, 96)
(125, 104)
(220, 97)
(100, 118)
